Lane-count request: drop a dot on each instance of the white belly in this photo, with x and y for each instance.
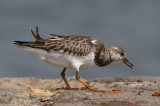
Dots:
(63, 60)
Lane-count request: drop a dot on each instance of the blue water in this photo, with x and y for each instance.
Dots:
(131, 24)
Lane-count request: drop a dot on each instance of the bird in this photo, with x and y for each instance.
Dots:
(74, 52)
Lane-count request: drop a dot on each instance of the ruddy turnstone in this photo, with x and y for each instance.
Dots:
(75, 52)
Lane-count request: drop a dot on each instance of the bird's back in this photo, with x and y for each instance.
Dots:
(62, 50)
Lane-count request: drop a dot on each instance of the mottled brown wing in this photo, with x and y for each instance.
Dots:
(72, 45)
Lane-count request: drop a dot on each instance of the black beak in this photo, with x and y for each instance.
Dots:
(125, 61)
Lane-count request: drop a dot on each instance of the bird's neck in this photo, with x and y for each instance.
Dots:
(102, 56)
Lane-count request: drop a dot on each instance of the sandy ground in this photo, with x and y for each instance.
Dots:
(136, 91)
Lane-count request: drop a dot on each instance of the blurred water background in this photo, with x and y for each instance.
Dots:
(131, 24)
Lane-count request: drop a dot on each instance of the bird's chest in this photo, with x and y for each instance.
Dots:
(69, 61)
(85, 62)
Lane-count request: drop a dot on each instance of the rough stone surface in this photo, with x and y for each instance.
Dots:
(13, 92)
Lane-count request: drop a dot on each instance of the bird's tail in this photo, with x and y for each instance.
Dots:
(23, 43)
(39, 42)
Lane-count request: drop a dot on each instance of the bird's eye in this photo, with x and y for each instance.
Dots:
(122, 54)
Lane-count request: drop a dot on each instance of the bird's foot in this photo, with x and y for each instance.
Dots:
(72, 88)
(69, 88)
(96, 90)
(90, 88)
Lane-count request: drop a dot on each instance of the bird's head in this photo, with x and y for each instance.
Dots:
(119, 55)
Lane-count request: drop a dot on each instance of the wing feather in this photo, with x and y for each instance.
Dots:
(73, 45)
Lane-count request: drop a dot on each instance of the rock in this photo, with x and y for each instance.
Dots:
(13, 91)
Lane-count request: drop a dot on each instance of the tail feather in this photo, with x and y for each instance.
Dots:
(23, 43)
(36, 35)
(20, 42)
(39, 43)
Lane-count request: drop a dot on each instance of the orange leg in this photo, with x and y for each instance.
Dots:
(65, 80)
(86, 85)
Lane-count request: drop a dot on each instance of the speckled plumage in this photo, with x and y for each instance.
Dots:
(76, 52)
(77, 46)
